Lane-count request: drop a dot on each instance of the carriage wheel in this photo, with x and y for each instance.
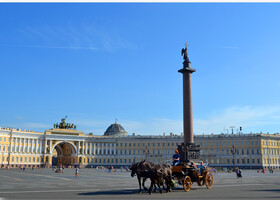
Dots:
(187, 183)
(209, 180)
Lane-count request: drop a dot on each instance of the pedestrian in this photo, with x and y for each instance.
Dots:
(238, 173)
(263, 171)
(77, 172)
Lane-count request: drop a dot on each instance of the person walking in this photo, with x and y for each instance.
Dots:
(77, 172)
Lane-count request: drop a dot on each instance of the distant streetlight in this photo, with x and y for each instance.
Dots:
(147, 152)
(233, 152)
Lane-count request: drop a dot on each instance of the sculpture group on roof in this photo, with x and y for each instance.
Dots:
(64, 125)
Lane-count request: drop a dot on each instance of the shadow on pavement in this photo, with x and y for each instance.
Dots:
(128, 192)
(269, 190)
(114, 192)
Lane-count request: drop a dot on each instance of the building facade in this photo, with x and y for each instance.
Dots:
(66, 146)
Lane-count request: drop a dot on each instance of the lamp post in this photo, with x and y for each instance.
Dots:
(233, 152)
(147, 152)
(10, 147)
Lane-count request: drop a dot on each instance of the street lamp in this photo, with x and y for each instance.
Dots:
(146, 151)
(233, 152)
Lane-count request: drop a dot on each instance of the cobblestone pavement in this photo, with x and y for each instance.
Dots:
(99, 184)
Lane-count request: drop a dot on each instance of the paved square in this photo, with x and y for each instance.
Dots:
(98, 184)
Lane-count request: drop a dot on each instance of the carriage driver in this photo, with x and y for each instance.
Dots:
(176, 158)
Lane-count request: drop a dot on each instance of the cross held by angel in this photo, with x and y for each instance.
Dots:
(184, 53)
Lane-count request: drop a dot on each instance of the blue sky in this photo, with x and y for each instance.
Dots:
(97, 62)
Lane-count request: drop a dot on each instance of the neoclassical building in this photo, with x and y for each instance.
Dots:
(67, 146)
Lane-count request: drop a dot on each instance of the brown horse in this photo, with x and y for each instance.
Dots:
(141, 174)
(159, 174)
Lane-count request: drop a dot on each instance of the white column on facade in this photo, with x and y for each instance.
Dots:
(19, 145)
(15, 146)
(27, 149)
(87, 148)
(36, 149)
(50, 146)
(106, 145)
(32, 143)
(40, 146)
(110, 149)
(79, 147)
(115, 148)
(45, 145)
(93, 148)
(83, 148)
(23, 148)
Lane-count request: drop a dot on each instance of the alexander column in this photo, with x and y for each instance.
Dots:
(188, 150)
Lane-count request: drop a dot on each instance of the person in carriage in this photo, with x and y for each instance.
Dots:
(200, 167)
(176, 158)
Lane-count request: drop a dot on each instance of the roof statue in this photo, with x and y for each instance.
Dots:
(64, 125)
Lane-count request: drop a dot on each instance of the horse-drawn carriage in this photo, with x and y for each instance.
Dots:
(165, 175)
(186, 175)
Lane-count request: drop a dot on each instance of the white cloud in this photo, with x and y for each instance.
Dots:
(252, 119)
(81, 36)
(248, 116)
(28, 125)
